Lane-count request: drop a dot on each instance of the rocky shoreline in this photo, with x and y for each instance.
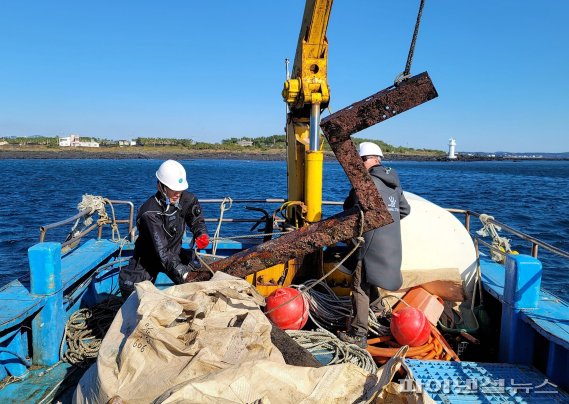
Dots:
(118, 155)
(166, 154)
(275, 155)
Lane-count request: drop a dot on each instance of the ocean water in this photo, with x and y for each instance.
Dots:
(531, 196)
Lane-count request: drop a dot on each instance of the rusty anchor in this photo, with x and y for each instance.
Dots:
(337, 129)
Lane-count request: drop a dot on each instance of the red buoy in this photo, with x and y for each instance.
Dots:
(285, 313)
(410, 327)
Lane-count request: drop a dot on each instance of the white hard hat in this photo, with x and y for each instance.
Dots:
(172, 174)
(370, 149)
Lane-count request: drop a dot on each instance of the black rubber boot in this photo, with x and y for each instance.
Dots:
(351, 338)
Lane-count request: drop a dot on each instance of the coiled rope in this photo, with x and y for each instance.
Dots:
(97, 204)
(359, 241)
(324, 343)
(500, 245)
(433, 349)
(326, 310)
(85, 330)
(321, 341)
(283, 210)
(330, 312)
(384, 347)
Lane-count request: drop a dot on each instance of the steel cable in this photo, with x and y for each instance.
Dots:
(407, 72)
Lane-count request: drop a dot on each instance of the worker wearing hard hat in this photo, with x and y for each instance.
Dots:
(161, 223)
(379, 259)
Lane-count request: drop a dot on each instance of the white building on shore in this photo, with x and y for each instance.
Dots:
(245, 143)
(74, 141)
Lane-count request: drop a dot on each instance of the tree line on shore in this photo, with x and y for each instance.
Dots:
(274, 142)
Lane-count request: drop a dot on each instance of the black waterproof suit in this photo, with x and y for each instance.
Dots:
(379, 259)
(158, 247)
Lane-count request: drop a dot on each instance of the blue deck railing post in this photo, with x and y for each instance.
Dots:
(13, 356)
(48, 324)
(558, 364)
(521, 291)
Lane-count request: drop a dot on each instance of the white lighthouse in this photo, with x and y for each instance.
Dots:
(451, 147)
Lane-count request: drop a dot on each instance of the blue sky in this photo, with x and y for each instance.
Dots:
(212, 70)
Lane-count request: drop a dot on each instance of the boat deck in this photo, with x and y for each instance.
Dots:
(534, 331)
(550, 318)
(470, 382)
(42, 385)
(16, 301)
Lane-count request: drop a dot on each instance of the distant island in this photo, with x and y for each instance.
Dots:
(176, 153)
(245, 148)
(258, 148)
(519, 155)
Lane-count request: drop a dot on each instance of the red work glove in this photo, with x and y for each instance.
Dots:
(202, 241)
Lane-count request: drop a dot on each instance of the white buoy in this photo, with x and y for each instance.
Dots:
(451, 147)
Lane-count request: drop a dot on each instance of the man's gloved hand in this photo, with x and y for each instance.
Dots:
(202, 241)
(179, 273)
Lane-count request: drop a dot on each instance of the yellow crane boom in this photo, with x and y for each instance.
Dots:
(308, 84)
(307, 94)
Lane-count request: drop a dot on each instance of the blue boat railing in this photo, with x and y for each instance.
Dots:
(70, 243)
(468, 214)
(264, 202)
(96, 224)
(534, 242)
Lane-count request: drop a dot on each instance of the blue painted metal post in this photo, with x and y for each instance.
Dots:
(558, 365)
(48, 324)
(521, 291)
(13, 357)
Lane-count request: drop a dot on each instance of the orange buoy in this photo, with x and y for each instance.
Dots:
(410, 327)
(284, 312)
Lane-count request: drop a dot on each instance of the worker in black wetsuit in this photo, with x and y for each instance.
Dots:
(378, 261)
(161, 223)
